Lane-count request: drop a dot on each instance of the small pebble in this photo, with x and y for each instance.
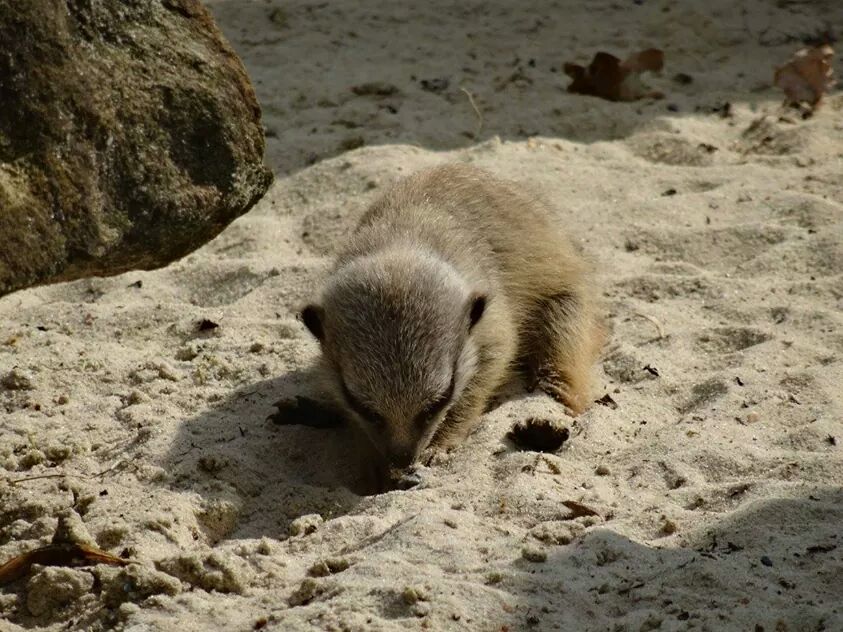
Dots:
(70, 528)
(186, 354)
(305, 525)
(17, 380)
(136, 397)
(766, 561)
(166, 372)
(557, 532)
(329, 566)
(534, 554)
(752, 417)
(51, 589)
(31, 459)
(602, 470)
(305, 593)
(412, 594)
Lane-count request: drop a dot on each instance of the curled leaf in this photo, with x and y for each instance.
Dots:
(578, 509)
(807, 76)
(56, 555)
(610, 78)
(608, 401)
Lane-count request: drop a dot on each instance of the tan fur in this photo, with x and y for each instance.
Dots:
(422, 253)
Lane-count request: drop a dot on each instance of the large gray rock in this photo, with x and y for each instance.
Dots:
(129, 136)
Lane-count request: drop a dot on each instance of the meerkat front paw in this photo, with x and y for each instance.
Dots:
(433, 456)
(407, 479)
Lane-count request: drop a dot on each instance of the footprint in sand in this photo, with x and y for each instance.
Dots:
(665, 148)
(722, 340)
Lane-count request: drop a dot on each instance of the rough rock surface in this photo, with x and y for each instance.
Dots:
(129, 136)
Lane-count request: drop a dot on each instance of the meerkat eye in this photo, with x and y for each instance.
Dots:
(362, 409)
(434, 407)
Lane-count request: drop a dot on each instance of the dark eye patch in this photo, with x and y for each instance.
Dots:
(435, 407)
(362, 409)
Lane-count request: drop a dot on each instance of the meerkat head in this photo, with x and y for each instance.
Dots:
(396, 331)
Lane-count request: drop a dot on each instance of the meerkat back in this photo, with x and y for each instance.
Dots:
(519, 239)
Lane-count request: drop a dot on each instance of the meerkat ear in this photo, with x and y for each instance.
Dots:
(312, 316)
(478, 306)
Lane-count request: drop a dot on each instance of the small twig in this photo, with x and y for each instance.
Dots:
(654, 321)
(15, 481)
(550, 464)
(641, 583)
(476, 111)
(626, 590)
(118, 463)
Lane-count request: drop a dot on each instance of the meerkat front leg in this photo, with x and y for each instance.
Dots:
(465, 414)
(567, 338)
(461, 419)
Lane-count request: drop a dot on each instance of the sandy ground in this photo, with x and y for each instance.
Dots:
(717, 479)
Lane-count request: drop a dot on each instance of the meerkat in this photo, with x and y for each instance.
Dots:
(452, 281)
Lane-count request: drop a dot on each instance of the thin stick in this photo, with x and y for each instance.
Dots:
(654, 321)
(15, 481)
(476, 111)
(118, 463)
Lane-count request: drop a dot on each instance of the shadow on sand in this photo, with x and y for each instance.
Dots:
(331, 77)
(231, 454)
(270, 467)
(773, 565)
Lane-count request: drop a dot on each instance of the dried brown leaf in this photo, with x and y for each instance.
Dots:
(610, 78)
(56, 555)
(579, 510)
(608, 401)
(649, 60)
(807, 76)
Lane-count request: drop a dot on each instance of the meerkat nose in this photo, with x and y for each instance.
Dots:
(401, 457)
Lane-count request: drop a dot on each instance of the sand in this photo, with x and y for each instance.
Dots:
(713, 469)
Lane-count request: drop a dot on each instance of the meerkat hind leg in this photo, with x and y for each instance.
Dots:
(565, 342)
